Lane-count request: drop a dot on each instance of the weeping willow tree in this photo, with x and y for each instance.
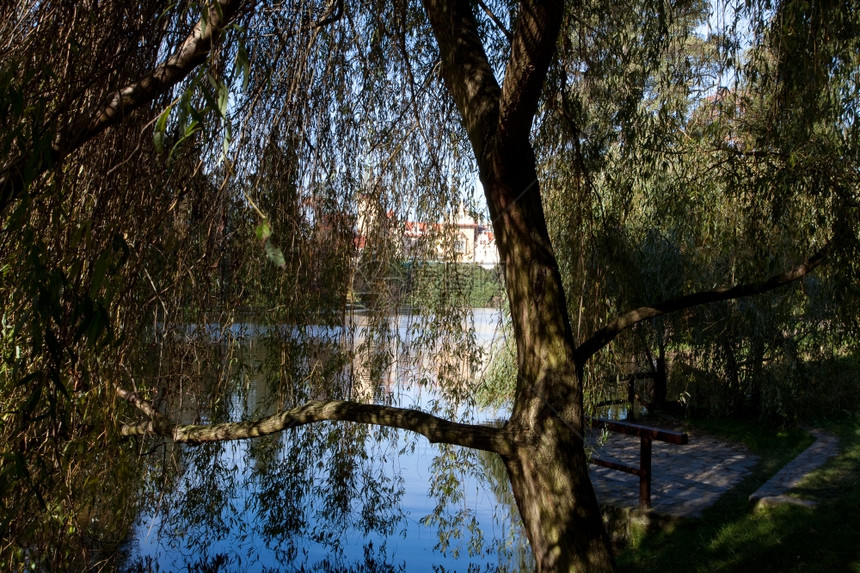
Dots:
(717, 149)
(172, 175)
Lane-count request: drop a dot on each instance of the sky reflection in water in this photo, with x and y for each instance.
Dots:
(334, 497)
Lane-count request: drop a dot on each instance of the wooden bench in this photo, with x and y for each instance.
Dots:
(646, 435)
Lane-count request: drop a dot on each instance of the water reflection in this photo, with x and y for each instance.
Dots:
(335, 496)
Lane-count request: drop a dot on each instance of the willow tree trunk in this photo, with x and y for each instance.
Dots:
(549, 472)
(548, 468)
(557, 504)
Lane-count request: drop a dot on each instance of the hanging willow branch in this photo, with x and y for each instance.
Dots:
(606, 334)
(191, 53)
(432, 427)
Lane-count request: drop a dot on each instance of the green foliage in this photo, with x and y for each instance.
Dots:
(420, 286)
(679, 163)
(432, 284)
(498, 381)
(671, 162)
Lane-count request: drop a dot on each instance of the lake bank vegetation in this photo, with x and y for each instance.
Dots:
(672, 186)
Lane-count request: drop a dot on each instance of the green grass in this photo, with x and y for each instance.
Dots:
(731, 537)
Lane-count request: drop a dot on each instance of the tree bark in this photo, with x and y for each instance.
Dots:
(435, 429)
(557, 502)
(549, 475)
(548, 469)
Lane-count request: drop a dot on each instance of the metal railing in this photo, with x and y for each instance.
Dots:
(646, 435)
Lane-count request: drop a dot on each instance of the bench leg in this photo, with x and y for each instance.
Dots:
(645, 473)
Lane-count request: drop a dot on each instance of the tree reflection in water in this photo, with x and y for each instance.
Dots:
(329, 496)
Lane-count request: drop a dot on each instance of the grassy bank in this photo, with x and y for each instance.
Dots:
(731, 537)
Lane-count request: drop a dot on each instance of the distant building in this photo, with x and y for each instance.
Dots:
(462, 239)
(486, 253)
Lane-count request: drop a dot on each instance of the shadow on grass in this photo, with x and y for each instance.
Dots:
(732, 537)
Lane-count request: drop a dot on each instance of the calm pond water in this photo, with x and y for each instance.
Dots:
(335, 496)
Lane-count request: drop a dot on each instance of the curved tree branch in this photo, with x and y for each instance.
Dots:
(158, 424)
(191, 53)
(491, 112)
(432, 427)
(466, 69)
(606, 334)
(532, 48)
(333, 13)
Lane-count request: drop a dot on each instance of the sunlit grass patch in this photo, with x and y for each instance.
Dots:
(732, 537)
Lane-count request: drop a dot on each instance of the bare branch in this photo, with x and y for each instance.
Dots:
(333, 14)
(191, 53)
(495, 20)
(159, 423)
(606, 334)
(432, 427)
